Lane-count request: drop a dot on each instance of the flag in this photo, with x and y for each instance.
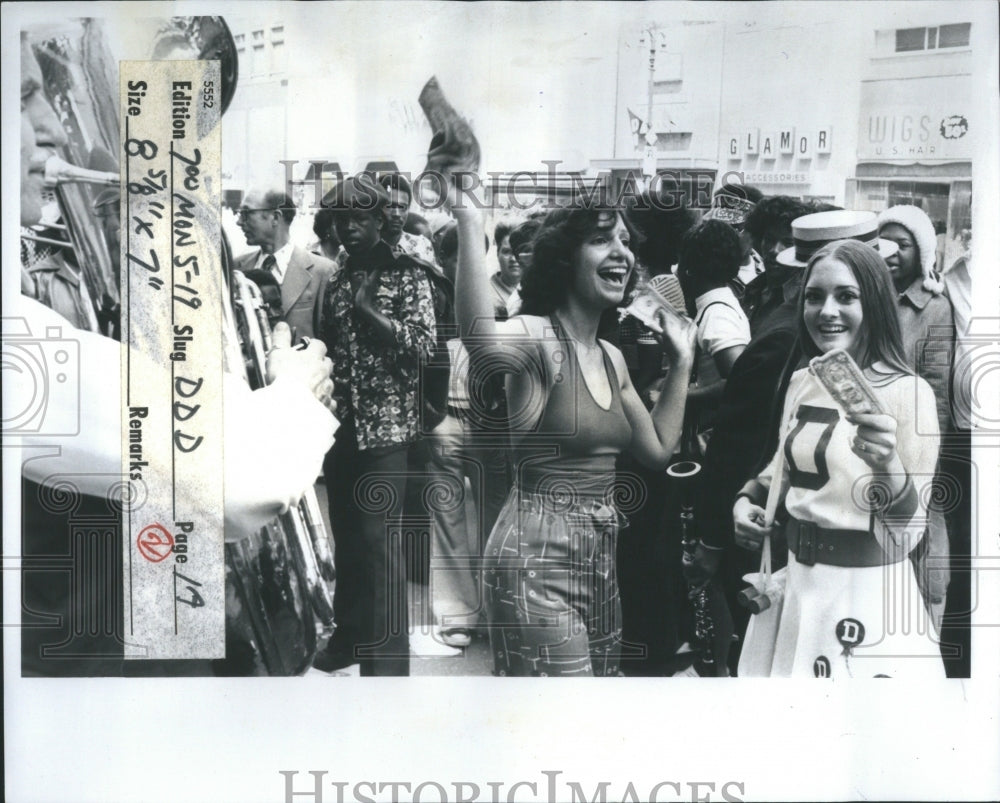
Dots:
(636, 126)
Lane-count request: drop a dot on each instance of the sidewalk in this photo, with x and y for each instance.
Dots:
(429, 657)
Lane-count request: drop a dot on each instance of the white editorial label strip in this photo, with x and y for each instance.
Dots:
(172, 291)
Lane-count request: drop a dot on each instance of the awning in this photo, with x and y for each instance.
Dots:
(914, 169)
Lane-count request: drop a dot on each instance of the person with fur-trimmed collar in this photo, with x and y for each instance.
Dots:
(927, 324)
(925, 314)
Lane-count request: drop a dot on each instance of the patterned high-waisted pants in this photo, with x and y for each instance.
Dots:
(551, 591)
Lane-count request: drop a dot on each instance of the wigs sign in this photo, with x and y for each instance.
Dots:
(908, 133)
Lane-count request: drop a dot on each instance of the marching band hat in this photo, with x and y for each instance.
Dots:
(812, 232)
(358, 192)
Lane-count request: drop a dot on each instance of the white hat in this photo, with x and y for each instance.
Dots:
(812, 232)
(915, 221)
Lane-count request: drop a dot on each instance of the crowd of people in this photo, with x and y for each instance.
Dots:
(553, 404)
(519, 392)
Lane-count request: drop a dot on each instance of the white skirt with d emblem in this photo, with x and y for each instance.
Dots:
(853, 622)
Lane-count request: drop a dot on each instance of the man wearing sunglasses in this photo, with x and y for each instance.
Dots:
(265, 219)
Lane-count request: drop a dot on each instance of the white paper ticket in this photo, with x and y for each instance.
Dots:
(172, 286)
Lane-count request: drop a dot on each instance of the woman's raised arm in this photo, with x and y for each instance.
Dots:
(473, 306)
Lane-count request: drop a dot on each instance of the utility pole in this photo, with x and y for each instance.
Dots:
(656, 40)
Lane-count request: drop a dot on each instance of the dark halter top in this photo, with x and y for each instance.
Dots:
(585, 437)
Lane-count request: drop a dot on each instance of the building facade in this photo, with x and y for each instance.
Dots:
(814, 106)
(796, 101)
(914, 122)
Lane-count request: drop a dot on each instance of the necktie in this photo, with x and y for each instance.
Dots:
(270, 287)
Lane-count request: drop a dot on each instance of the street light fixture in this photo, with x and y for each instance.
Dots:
(656, 40)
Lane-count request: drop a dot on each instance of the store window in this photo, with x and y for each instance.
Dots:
(947, 203)
(943, 36)
(959, 231)
(932, 198)
(263, 52)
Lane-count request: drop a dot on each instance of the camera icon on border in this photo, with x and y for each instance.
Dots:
(41, 378)
(975, 376)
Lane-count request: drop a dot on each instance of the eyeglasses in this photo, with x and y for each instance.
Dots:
(243, 211)
(521, 254)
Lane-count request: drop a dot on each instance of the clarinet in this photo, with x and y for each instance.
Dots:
(685, 472)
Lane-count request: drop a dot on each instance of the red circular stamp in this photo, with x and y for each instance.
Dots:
(155, 542)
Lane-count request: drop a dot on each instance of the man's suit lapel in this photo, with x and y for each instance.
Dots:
(247, 261)
(297, 278)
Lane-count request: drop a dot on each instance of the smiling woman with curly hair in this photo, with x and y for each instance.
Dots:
(544, 290)
(549, 579)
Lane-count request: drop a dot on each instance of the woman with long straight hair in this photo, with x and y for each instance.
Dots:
(549, 570)
(854, 487)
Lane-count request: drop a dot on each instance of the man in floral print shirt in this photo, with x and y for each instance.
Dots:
(379, 327)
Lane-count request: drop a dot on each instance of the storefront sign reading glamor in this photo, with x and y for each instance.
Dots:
(781, 142)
